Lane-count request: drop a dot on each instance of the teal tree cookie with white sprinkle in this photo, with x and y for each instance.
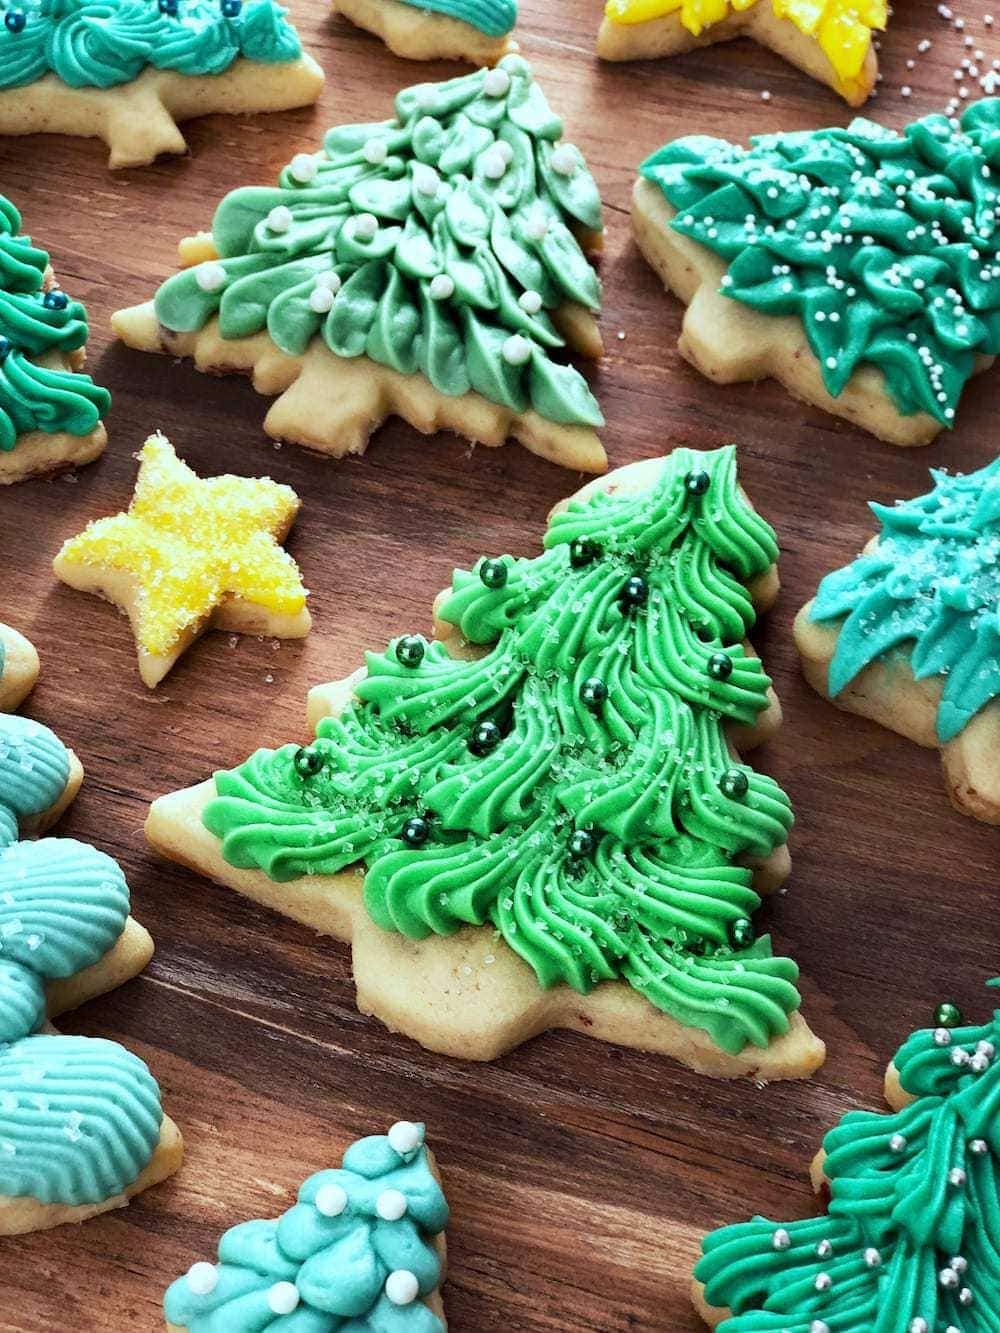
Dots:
(362, 1250)
(859, 266)
(911, 1239)
(907, 633)
(430, 266)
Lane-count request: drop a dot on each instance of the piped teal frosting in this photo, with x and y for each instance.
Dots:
(929, 589)
(911, 1239)
(34, 322)
(885, 245)
(79, 1118)
(333, 1250)
(103, 43)
(492, 17)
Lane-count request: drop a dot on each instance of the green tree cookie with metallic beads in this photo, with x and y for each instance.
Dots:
(911, 1239)
(50, 413)
(859, 266)
(548, 801)
(428, 266)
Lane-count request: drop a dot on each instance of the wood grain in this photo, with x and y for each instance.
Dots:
(581, 1176)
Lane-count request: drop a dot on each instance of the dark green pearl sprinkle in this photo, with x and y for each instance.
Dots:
(484, 738)
(741, 934)
(593, 692)
(493, 573)
(735, 784)
(947, 1015)
(720, 666)
(635, 591)
(697, 483)
(416, 831)
(583, 551)
(410, 650)
(308, 761)
(581, 844)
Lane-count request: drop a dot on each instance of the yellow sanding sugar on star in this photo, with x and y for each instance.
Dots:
(190, 543)
(843, 28)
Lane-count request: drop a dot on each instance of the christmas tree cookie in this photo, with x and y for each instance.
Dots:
(830, 39)
(541, 819)
(126, 72)
(18, 668)
(858, 266)
(362, 1249)
(428, 266)
(81, 1126)
(50, 413)
(474, 30)
(192, 554)
(910, 1241)
(907, 633)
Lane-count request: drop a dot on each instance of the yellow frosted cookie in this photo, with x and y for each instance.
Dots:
(192, 554)
(830, 39)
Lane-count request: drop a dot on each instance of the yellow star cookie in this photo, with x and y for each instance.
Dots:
(192, 554)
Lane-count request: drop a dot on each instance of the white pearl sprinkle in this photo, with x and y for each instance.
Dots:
(948, 1278)
(303, 168)
(959, 1264)
(956, 1176)
(823, 1282)
(979, 1063)
(374, 151)
(503, 149)
(426, 181)
(494, 166)
(872, 1257)
(202, 1278)
(401, 1287)
(942, 1037)
(321, 300)
(781, 1239)
(986, 1048)
(918, 1325)
(496, 83)
(530, 302)
(331, 1200)
(516, 351)
(897, 1143)
(405, 1137)
(824, 1249)
(365, 226)
(979, 1147)
(564, 160)
(442, 287)
(965, 1296)
(391, 1205)
(279, 219)
(329, 279)
(210, 276)
(959, 1056)
(283, 1298)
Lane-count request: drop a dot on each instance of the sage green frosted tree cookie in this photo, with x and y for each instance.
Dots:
(50, 412)
(363, 1247)
(907, 634)
(428, 266)
(127, 72)
(858, 266)
(475, 30)
(541, 819)
(81, 1125)
(909, 1243)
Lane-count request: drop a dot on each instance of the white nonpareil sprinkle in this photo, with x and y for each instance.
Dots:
(321, 300)
(496, 83)
(202, 1278)
(564, 160)
(365, 226)
(391, 1205)
(872, 1257)
(374, 151)
(426, 181)
(303, 168)
(330, 280)
(781, 1239)
(331, 1200)
(401, 1287)
(530, 302)
(516, 351)
(494, 165)
(279, 219)
(405, 1137)
(210, 276)
(442, 287)
(283, 1298)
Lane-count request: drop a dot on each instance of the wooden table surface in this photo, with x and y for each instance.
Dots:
(581, 1176)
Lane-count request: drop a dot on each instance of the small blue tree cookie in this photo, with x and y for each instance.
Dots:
(361, 1251)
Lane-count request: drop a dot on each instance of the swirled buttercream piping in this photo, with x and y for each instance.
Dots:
(885, 245)
(573, 786)
(441, 242)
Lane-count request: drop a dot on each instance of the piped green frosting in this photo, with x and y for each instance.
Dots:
(928, 590)
(441, 242)
(33, 323)
(104, 43)
(604, 839)
(334, 1260)
(885, 245)
(911, 1239)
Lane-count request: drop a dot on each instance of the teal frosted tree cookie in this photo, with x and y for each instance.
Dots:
(910, 1242)
(859, 266)
(81, 1125)
(50, 412)
(907, 634)
(475, 30)
(126, 72)
(541, 819)
(361, 1250)
(428, 266)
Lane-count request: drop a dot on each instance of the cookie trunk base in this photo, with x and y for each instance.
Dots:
(729, 342)
(421, 34)
(20, 669)
(465, 995)
(668, 36)
(887, 693)
(137, 120)
(126, 959)
(333, 404)
(36, 453)
(21, 1215)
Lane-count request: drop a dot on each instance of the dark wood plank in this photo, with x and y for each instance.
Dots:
(581, 1176)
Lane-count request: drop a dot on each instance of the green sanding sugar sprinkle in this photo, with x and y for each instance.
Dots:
(885, 245)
